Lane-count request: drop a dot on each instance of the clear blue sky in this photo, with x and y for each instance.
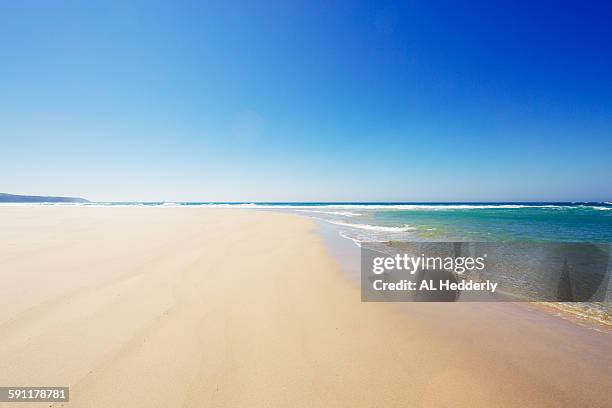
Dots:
(307, 101)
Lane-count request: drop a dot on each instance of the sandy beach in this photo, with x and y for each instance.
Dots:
(195, 307)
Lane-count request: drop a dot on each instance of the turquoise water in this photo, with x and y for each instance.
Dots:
(501, 222)
(572, 223)
(496, 222)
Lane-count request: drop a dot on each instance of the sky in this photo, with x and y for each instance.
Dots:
(307, 101)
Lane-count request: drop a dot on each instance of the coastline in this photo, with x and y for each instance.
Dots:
(346, 252)
(201, 306)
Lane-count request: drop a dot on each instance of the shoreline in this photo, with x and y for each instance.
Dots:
(346, 252)
(197, 307)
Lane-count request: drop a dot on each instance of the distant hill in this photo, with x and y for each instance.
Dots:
(12, 198)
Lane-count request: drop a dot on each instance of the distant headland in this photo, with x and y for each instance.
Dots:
(12, 198)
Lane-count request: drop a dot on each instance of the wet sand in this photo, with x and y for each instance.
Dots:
(196, 307)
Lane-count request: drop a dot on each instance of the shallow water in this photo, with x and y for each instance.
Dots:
(481, 222)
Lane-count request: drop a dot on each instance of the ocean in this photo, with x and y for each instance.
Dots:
(501, 222)
(498, 222)
(401, 221)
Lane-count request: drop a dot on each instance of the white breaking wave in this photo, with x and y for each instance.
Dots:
(342, 213)
(440, 207)
(242, 205)
(346, 210)
(358, 241)
(368, 227)
(355, 240)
